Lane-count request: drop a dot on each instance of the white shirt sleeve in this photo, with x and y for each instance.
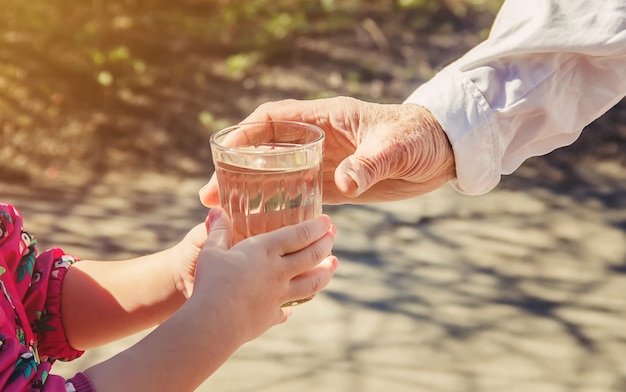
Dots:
(547, 69)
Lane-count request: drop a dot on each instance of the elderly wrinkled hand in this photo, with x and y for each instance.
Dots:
(373, 152)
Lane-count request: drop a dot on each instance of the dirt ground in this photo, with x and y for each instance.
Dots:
(523, 289)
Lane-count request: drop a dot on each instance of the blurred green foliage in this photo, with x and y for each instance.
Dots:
(88, 29)
(98, 81)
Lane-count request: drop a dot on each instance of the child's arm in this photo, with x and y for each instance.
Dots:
(104, 301)
(237, 296)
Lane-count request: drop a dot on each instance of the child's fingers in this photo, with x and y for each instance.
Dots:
(304, 259)
(314, 280)
(293, 238)
(219, 229)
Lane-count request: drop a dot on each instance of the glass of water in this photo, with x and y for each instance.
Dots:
(269, 175)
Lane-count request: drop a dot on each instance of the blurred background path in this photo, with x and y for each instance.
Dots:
(517, 290)
(105, 110)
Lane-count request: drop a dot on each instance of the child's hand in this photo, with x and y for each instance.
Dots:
(246, 285)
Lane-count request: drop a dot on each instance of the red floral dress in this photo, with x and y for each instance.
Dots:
(31, 330)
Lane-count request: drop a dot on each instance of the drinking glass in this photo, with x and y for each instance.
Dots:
(269, 175)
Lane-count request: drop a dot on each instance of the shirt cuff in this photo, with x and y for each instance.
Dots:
(464, 114)
(53, 341)
(81, 383)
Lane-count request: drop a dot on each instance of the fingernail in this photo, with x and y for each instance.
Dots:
(355, 179)
(333, 229)
(207, 221)
(214, 214)
(334, 262)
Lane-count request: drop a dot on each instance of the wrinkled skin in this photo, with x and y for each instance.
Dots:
(373, 152)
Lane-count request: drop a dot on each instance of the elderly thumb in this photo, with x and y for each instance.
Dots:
(359, 172)
(209, 193)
